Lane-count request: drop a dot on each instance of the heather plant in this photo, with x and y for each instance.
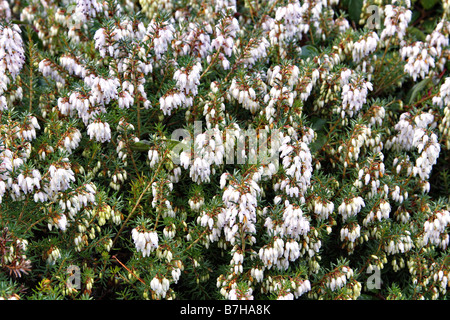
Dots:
(224, 149)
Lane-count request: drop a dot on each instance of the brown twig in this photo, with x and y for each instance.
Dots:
(131, 272)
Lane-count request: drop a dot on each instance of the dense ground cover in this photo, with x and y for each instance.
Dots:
(223, 149)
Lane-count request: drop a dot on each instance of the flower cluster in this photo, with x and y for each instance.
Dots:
(396, 21)
(12, 58)
(365, 46)
(435, 229)
(145, 241)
